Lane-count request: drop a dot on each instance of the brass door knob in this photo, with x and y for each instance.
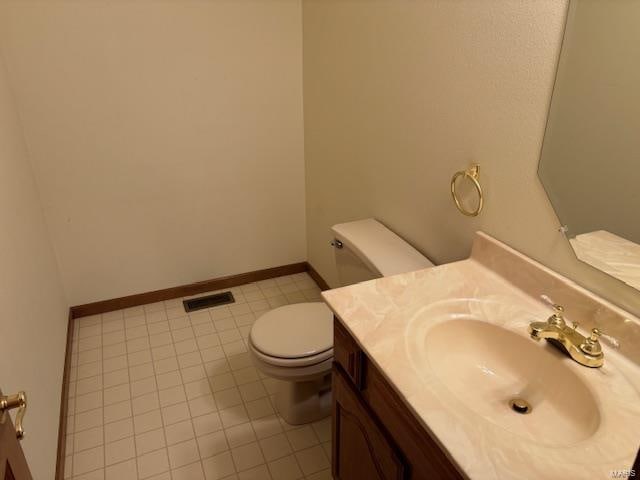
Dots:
(9, 402)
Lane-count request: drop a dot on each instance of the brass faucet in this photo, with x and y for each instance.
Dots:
(586, 351)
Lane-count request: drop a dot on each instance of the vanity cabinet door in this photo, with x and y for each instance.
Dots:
(361, 448)
(348, 355)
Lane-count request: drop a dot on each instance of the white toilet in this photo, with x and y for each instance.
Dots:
(294, 343)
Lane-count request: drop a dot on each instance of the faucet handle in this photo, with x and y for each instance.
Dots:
(557, 318)
(591, 345)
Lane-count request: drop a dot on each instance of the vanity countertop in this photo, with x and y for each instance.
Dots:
(377, 314)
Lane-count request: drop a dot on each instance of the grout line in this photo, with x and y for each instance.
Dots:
(133, 426)
(155, 379)
(104, 438)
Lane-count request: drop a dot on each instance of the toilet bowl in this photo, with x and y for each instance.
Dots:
(294, 343)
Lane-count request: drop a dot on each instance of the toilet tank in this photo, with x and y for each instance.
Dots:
(366, 249)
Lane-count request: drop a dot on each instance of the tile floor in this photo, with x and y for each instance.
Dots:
(157, 393)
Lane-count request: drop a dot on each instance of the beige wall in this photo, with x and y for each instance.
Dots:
(398, 95)
(34, 312)
(166, 137)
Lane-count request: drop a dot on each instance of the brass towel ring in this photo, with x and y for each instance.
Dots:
(472, 173)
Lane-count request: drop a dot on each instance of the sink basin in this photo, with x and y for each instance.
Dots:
(525, 387)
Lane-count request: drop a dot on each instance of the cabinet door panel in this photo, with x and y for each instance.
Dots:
(348, 355)
(361, 448)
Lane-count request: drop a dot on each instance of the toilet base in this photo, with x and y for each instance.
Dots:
(304, 402)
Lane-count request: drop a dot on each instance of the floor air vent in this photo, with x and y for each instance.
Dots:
(208, 301)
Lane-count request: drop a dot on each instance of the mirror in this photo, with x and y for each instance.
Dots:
(590, 160)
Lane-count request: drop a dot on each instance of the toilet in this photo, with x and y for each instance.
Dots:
(294, 343)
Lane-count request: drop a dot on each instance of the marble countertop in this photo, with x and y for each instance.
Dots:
(378, 314)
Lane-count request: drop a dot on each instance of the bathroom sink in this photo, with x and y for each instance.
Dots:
(525, 387)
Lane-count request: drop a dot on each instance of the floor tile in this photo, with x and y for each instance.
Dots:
(193, 471)
(184, 453)
(138, 344)
(143, 387)
(89, 419)
(88, 401)
(233, 416)
(285, 468)
(175, 413)
(179, 432)
(223, 381)
(172, 395)
(207, 424)
(93, 475)
(117, 411)
(198, 388)
(147, 421)
(118, 377)
(267, 426)
(246, 375)
(191, 374)
(202, 405)
(302, 437)
(240, 435)
(88, 460)
(162, 352)
(259, 408)
(118, 430)
(322, 475)
(247, 456)
(212, 444)
(86, 385)
(275, 447)
(252, 391)
(87, 439)
(323, 429)
(312, 460)
(260, 472)
(119, 451)
(169, 379)
(219, 466)
(117, 394)
(139, 372)
(112, 326)
(149, 441)
(156, 316)
(153, 463)
(122, 471)
(133, 311)
(145, 403)
(160, 338)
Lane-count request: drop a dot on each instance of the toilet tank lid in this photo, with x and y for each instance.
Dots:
(379, 248)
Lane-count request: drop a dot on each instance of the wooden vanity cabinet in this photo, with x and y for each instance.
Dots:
(375, 436)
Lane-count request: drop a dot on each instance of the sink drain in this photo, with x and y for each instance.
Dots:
(520, 405)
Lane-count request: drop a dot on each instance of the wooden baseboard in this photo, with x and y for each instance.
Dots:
(185, 290)
(313, 273)
(64, 401)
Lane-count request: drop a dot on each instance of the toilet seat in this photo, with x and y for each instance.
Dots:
(294, 335)
(292, 362)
